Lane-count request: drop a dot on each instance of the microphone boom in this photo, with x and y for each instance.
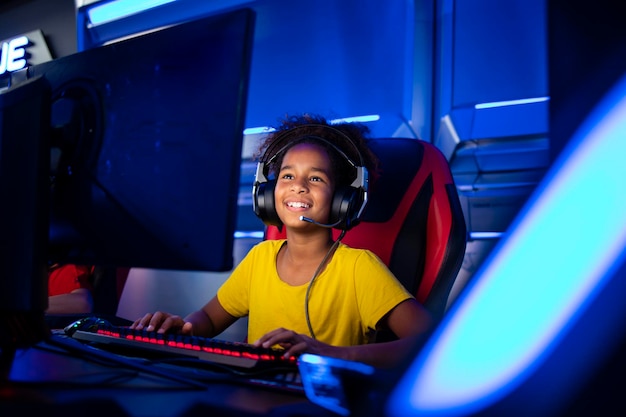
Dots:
(326, 225)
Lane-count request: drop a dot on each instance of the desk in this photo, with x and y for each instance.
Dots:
(47, 380)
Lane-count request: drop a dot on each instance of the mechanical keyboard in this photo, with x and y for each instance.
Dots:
(232, 354)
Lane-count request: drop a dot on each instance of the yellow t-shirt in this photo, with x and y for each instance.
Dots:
(346, 301)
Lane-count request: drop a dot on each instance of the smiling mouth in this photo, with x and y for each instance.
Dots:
(298, 204)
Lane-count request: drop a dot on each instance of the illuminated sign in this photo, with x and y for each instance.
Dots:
(22, 51)
(13, 53)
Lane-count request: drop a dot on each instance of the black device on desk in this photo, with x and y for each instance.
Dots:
(192, 358)
(238, 355)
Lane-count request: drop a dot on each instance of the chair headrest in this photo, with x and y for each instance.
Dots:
(399, 160)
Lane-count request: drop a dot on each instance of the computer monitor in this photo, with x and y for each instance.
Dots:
(147, 146)
(127, 155)
(24, 162)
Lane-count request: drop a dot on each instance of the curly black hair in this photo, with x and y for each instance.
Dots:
(350, 138)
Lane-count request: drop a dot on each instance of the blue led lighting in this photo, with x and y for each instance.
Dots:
(537, 282)
(355, 119)
(485, 235)
(111, 11)
(258, 130)
(510, 102)
(254, 234)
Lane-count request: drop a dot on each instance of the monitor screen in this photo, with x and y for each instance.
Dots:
(24, 149)
(146, 147)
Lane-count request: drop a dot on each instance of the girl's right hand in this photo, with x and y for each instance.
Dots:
(162, 322)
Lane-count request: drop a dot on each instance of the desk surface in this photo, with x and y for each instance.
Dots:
(49, 379)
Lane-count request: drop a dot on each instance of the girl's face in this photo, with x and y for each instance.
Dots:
(304, 185)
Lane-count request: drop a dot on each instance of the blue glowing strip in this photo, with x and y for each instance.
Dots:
(355, 119)
(253, 234)
(258, 130)
(510, 102)
(536, 283)
(111, 11)
(485, 235)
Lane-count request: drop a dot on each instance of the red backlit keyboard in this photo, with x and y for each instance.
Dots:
(235, 354)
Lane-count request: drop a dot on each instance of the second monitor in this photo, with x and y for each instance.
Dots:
(147, 146)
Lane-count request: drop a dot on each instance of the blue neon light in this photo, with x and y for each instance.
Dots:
(510, 102)
(111, 11)
(537, 282)
(255, 234)
(355, 119)
(485, 235)
(257, 130)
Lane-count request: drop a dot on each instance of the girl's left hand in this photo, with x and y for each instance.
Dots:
(293, 343)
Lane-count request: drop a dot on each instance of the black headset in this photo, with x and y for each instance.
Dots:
(348, 202)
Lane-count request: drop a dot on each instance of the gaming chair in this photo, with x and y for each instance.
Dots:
(413, 220)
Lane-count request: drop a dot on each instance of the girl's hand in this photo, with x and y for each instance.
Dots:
(293, 343)
(162, 322)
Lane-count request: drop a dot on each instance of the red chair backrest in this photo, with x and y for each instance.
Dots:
(413, 220)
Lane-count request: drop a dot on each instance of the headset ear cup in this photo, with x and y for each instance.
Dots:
(265, 207)
(346, 202)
